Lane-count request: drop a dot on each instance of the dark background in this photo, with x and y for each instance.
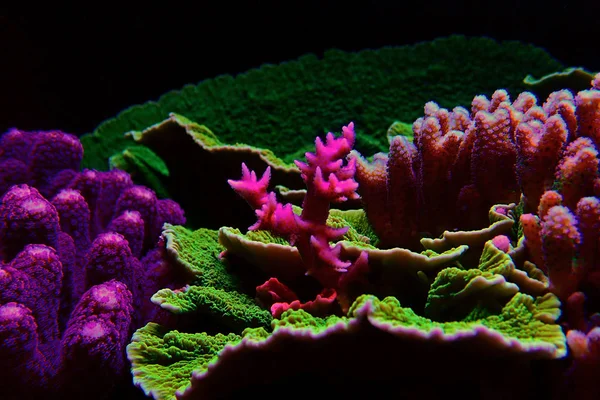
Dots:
(70, 68)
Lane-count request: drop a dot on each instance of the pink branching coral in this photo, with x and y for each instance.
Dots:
(562, 236)
(328, 180)
(463, 162)
(460, 164)
(74, 251)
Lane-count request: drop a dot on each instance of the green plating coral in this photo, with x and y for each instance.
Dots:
(234, 310)
(295, 99)
(281, 107)
(163, 360)
(144, 165)
(182, 151)
(198, 252)
(573, 79)
(359, 230)
(524, 328)
(524, 323)
(486, 286)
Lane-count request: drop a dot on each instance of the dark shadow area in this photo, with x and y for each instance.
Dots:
(71, 69)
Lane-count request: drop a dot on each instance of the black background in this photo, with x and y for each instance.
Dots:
(70, 69)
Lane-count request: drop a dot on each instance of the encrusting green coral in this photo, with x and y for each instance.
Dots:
(485, 286)
(213, 292)
(144, 165)
(573, 79)
(523, 329)
(198, 252)
(164, 360)
(235, 310)
(514, 326)
(293, 100)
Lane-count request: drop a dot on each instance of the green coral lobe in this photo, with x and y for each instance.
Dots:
(163, 361)
(295, 100)
(484, 286)
(236, 310)
(198, 251)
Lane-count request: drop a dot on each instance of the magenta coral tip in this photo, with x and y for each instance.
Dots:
(502, 242)
(251, 189)
(169, 211)
(16, 144)
(74, 216)
(18, 330)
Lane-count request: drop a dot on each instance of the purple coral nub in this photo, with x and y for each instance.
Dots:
(26, 217)
(109, 257)
(100, 323)
(131, 225)
(74, 216)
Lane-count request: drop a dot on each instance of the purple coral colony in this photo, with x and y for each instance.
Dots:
(82, 252)
(78, 252)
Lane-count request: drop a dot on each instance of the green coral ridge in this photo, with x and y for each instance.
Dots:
(181, 151)
(201, 136)
(198, 252)
(163, 360)
(235, 310)
(524, 319)
(359, 228)
(264, 237)
(484, 285)
(399, 128)
(573, 78)
(524, 325)
(293, 100)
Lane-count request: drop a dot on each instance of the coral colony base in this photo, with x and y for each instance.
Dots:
(471, 265)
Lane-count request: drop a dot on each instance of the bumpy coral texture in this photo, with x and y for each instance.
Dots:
(74, 251)
(460, 164)
(562, 230)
